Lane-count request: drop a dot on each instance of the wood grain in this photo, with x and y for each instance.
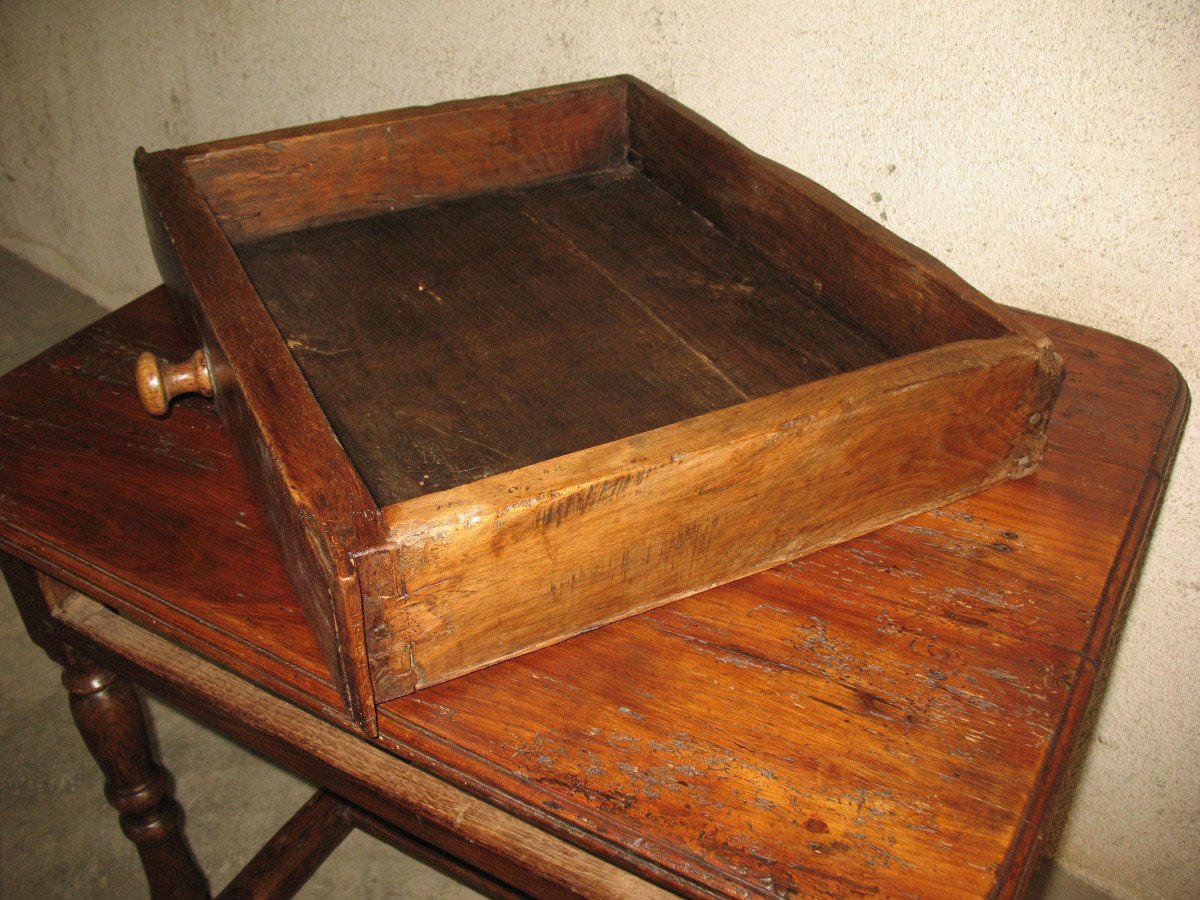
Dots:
(109, 717)
(317, 506)
(889, 716)
(299, 177)
(548, 311)
(116, 477)
(294, 853)
(523, 559)
(903, 296)
(159, 382)
(660, 742)
(424, 806)
(453, 342)
(435, 857)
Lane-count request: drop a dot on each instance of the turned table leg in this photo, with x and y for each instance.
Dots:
(109, 717)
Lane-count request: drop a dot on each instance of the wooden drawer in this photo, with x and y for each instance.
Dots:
(508, 369)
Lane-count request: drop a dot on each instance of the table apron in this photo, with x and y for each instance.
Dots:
(483, 835)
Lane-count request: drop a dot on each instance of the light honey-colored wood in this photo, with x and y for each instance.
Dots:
(529, 557)
(928, 391)
(159, 382)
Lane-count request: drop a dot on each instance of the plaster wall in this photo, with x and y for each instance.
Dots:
(1048, 152)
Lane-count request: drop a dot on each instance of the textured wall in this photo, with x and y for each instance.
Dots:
(1049, 152)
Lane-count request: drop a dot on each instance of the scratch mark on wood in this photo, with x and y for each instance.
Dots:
(296, 344)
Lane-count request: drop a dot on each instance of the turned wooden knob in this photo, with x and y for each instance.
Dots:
(159, 382)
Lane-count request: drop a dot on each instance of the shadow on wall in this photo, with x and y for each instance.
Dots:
(37, 310)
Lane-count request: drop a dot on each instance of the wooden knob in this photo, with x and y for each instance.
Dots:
(159, 382)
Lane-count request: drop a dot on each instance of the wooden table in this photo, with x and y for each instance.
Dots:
(891, 716)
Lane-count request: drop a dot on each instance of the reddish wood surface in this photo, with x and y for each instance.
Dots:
(317, 506)
(890, 715)
(109, 717)
(476, 303)
(428, 810)
(118, 479)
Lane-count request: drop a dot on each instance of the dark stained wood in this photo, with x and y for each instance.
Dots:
(427, 808)
(108, 465)
(449, 343)
(533, 331)
(317, 506)
(28, 588)
(903, 296)
(109, 718)
(294, 853)
(726, 301)
(661, 742)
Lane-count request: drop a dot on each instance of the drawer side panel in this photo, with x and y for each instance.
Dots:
(903, 296)
(317, 506)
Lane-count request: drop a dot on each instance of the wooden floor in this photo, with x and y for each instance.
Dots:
(451, 342)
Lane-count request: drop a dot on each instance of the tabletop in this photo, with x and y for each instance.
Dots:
(891, 716)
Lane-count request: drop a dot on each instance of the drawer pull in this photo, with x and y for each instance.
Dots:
(159, 382)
